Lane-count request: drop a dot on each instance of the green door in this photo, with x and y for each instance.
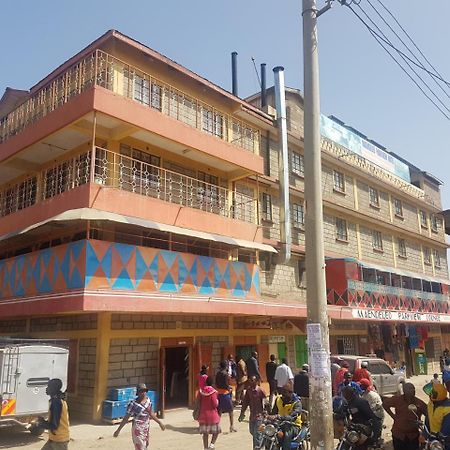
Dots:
(301, 351)
(281, 348)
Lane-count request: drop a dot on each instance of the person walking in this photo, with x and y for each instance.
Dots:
(271, 367)
(253, 367)
(255, 399)
(141, 410)
(405, 430)
(301, 386)
(58, 418)
(241, 380)
(362, 372)
(283, 374)
(223, 387)
(209, 418)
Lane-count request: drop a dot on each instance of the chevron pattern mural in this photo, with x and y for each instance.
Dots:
(104, 265)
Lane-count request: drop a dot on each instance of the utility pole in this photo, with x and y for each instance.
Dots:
(321, 414)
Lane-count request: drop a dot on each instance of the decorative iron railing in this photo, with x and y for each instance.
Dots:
(125, 173)
(103, 69)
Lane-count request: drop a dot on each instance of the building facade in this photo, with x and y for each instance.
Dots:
(139, 220)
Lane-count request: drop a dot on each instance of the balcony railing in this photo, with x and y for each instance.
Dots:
(125, 173)
(103, 69)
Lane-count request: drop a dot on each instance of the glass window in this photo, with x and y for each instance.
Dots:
(266, 206)
(369, 275)
(156, 100)
(417, 284)
(377, 240)
(427, 255)
(406, 282)
(396, 280)
(298, 214)
(434, 222)
(297, 164)
(401, 248)
(398, 207)
(426, 285)
(141, 90)
(374, 198)
(437, 258)
(341, 229)
(339, 181)
(423, 219)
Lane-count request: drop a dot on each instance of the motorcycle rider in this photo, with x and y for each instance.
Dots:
(288, 407)
(438, 417)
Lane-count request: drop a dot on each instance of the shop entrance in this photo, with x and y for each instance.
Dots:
(176, 376)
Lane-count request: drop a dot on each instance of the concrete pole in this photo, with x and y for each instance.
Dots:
(321, 414)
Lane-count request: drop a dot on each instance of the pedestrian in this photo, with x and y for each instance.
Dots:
(255, 399)
(301, 386)
(224, 393)
(405, 430)
(141, 410)
(202, 376)
(348, 381)
(231, 366)
(435, 379)
(283, 374)
(58, 418)
(209, 418)
(271, 367)
(241, 380)
(362, 372)
(253, 367)
(339, 376)
(372, 397)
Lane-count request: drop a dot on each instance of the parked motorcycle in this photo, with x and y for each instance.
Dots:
(272, 431)
(355, 437)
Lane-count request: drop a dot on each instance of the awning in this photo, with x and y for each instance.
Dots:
(96, 214)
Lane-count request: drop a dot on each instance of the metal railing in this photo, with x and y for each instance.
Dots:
(125, 173)
(103, 69)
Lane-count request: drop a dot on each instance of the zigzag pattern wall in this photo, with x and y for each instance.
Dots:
(104, 265)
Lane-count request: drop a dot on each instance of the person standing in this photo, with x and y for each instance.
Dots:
(405, 430)
(301, 386)
(283, 374)
(231, 366)
(340, 375)
(222, 383)
(58, 418)
(253, 367)
(254, 398)
(271, 367)
(241, 380)
(362, 372)
(209, 418)
(334, 368)
(141, 410)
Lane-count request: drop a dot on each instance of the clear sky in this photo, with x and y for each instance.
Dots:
(359, 83)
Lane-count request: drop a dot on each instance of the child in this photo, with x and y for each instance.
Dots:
(209, 417)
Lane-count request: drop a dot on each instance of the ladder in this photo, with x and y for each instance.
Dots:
(9, 370)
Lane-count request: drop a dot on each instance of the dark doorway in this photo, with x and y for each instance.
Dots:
(177, 376)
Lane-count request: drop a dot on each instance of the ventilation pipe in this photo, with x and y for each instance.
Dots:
(234, 80)
(263, 86)
(283, 168)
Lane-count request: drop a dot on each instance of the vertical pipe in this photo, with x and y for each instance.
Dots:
(283, 167)
(317, 327)
(263, 86)
(234, 80)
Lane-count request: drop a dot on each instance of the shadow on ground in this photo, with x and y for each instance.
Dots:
(17, 437)
(185, 430)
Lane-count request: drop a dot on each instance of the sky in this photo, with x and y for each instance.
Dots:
(359, 83)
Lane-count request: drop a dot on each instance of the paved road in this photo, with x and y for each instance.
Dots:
(181, 433)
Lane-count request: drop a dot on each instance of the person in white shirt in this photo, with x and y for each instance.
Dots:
(372, 396)
(283, 374)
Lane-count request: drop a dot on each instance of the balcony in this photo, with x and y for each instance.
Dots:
(118, 171)
(104, 70)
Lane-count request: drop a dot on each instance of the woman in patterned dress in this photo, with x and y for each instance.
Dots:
(209, 418)
(140, 409)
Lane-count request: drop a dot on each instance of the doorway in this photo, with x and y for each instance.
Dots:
(176, 376)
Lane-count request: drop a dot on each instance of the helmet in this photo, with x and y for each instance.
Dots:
(364, 364)
(438, 392)
(365, 383)
(305, 367)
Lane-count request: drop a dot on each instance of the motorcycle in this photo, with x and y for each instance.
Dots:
(272, 433)
(355, 437)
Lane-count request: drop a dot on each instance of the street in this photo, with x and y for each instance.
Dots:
(181, 432)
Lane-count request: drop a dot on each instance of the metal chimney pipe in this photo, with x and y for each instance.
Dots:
(283, 165)
(263, 86)
(234, 80)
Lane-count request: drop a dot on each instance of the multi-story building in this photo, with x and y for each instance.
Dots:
(139, 221)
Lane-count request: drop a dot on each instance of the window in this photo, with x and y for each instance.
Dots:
(298, 213)
(401, 248)
(156, 100)
(377, 240)
(141, 90)
(434, 222)
(212, 122)
(398, 207)
(266, 207)
(437, 258)
(339, 181)
(297, 164)
(341, 229)
(374, 199)
(427, 256)
(423, 219)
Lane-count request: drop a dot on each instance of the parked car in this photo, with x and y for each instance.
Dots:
(385, 380)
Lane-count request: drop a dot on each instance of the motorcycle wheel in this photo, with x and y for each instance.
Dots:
(305, 445)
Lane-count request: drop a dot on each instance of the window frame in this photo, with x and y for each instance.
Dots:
(434, 223)
(341, 237)
(339, 184)
(401, 248)
(300, 212)
(298, 166)
(266, 204)
(398, 208)
(427, 256)
(437, 259)
(374, 200)
(375, 241)
(423, 219)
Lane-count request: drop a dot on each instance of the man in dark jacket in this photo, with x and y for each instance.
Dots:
(271, 368)
(253, 367)
(301, 386)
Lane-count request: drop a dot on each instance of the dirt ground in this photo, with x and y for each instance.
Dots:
(180, 433)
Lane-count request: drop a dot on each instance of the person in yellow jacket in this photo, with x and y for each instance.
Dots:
(58, 418)
(288, 407)
(438, 410)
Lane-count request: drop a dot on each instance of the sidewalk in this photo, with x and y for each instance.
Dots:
(181, 433)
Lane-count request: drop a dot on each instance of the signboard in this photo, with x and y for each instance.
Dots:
(421, 364)
(399, 316)
(277, 339)
(356, 144)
